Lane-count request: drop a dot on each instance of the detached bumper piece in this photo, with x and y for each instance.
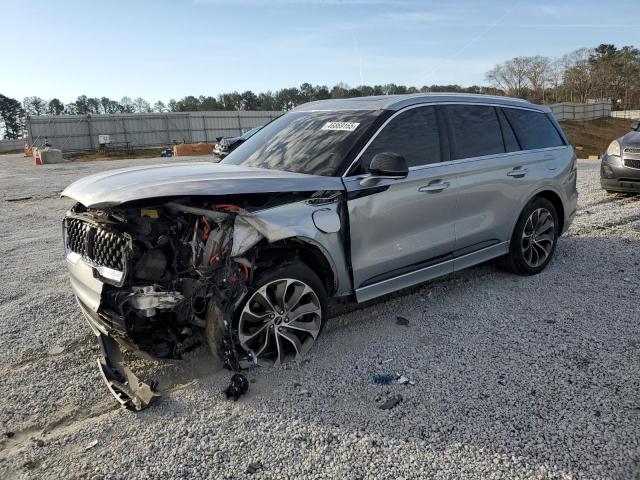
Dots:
(128, 390)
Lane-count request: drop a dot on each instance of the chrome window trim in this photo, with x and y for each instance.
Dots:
(448, 162)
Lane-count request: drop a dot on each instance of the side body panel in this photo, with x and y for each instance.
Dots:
(558, 177)
(404, 227)
(494, 189)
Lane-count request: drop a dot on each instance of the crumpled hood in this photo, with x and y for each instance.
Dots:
(116, 187)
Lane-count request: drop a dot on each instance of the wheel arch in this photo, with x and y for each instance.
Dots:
(552, 196)
(309, 252)
(557, 203)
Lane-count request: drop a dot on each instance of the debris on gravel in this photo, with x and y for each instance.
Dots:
(254, 467)
(516, 377)
(382, 379)
(391, 402)
(402, 321)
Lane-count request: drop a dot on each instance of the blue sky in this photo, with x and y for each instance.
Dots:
(168, 49)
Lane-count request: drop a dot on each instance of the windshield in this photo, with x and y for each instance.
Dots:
(304, 142)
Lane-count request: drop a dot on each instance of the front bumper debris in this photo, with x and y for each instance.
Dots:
(128, 390)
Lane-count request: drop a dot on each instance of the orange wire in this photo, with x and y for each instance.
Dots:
(227, 206)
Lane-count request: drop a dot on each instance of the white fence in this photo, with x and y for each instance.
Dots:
(73, 133)
(580, 111)
(11, 145)
(629, 114)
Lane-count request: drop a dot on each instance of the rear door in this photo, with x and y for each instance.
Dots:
(402, 230)
(486, 193)
(498, 167)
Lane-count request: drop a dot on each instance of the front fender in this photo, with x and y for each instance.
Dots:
(318, 225)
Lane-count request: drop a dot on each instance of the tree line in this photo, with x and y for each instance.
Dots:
(13, 113)
(602, 73)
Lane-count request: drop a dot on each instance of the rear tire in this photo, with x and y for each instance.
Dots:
(534, 239)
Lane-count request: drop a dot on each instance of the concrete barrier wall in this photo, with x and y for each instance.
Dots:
(11, 145)
(580, 111)
(80, 132)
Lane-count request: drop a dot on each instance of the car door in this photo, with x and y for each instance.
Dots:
(486, 202)
(495, 176)
(402, 230)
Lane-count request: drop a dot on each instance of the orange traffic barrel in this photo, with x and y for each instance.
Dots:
(27, 150)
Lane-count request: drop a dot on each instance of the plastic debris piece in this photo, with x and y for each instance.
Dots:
(391, 402)
(91, 444)
(402, 321)
(57, 350)
(387, 360)
(382, 379)
(403, 380)
(238, 387)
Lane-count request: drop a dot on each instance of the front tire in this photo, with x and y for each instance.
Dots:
(283, 313)
(534, 238)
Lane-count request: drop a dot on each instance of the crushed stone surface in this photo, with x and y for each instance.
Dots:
(511, 377)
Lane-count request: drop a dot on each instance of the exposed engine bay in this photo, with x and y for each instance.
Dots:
(171, 275)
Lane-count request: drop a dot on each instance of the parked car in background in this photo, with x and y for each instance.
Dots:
(620, 165)
(351, 198)
(226, 145)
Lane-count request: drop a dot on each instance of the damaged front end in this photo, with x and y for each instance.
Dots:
(159, 280)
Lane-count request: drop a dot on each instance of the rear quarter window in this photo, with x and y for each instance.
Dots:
(533, 129)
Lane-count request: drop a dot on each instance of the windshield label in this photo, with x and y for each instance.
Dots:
(342, 126)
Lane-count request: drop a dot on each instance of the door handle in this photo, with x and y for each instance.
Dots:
(518, 172)
(434, 187)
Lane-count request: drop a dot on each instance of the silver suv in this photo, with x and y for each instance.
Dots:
(349, 198)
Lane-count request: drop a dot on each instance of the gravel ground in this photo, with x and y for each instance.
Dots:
(514, 377)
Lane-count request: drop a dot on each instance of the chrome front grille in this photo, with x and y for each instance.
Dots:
(100, 246)
(631, 163)
(632, 150)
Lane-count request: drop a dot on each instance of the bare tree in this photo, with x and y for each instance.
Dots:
(141, 105)
(510, 76)
(127, 105)
(555, 76)
(578, 76)
(537, 73)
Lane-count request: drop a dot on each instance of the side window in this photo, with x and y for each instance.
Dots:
(475, 130)
(533, 129)
(510, 140)
(414, 134)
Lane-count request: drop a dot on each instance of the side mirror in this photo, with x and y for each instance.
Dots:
(635, 125)
(388, 164)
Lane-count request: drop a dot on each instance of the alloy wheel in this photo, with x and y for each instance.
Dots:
(538, 237)
(280, 321)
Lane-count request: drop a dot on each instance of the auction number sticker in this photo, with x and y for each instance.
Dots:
(342, 126)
